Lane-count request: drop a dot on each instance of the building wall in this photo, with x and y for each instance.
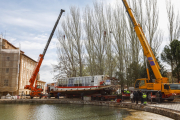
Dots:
(9, 61)
(27, 66)
(24, 69)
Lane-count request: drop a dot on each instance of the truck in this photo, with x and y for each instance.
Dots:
(36, 90)
(161, 84)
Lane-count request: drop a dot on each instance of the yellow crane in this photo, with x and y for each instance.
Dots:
(168, 90)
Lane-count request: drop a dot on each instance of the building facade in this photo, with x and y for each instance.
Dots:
(9, 61)
(16, 69)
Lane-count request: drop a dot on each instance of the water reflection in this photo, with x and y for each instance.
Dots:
(60, 112)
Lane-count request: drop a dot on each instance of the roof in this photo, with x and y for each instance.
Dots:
(29, 58)
(20, 50)
(12, 45)
(41, 81)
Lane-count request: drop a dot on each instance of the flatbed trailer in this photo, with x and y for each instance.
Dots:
(103, 97)
(125, 96)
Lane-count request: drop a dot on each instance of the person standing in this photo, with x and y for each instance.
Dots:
(58, 94)
(144, 97)
(82, 95)
(159, 96)
(136, 96)
(141, 94)
(131, 97)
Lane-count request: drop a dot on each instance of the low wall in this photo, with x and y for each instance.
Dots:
(162, 111)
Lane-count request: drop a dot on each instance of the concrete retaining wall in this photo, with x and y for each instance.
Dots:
(162, 111)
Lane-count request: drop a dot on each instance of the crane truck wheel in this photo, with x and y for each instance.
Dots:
(97, 98)
(102, 99)
(158, 99)
(149, 96)
(162, 100)
(92, 98)
(170, 99)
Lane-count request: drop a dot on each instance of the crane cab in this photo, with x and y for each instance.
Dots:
(141, 83)
(39, 87)
(144, 83)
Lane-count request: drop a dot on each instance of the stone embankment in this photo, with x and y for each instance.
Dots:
(147, 108)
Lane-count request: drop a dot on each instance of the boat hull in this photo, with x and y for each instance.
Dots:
(82, 90)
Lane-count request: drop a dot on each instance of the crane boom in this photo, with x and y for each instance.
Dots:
(52, 33)
(145, 45)
(41, 57)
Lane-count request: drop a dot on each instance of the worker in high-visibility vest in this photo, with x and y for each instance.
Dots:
(126, 92)
(144, 96)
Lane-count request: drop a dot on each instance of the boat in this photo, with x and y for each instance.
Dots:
(76, 86)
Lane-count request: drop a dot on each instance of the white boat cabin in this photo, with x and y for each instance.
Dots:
(82, 81)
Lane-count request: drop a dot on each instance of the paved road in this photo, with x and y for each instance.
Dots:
(175, 105)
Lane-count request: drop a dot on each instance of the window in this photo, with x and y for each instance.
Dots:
(27, 74)
(80, 80)
(5, 82)
(8, 58)
(137, 84)
(174, 86)
(27, 62)
(71, 82)
(39, 86)
(142, 83)
(7, 70)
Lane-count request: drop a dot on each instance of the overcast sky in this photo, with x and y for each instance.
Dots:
(28, 23)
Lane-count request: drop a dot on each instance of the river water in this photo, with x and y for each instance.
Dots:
(68, 112)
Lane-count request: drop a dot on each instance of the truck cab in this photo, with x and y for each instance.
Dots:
(171, 90)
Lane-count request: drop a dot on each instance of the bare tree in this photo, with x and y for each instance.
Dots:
(152, 22)
(67, 62)
(64, 66)
(110, 63)
(74, 26)
(173, 21)
(99, 26)
(70, 50)
(119, 42)
(89, 43)
(173, 25)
